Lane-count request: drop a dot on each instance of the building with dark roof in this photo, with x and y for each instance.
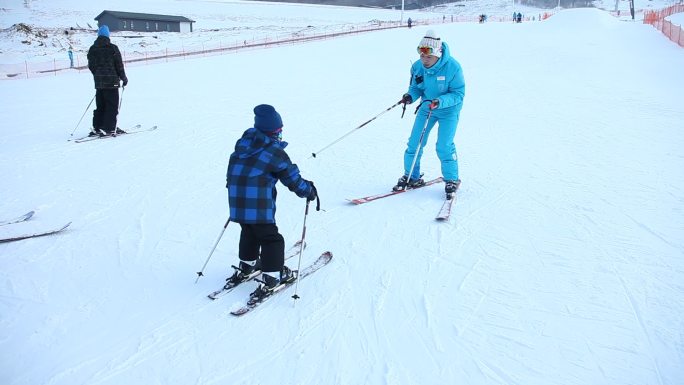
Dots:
(143, 22)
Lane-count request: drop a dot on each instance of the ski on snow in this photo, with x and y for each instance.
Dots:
(445, 211)
(322, 260)
(133, 130)
(371, 198)
(228, 287)
(34, 235)
(22, 218)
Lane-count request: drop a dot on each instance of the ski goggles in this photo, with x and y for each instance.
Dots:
(425, 50)
(277, 135)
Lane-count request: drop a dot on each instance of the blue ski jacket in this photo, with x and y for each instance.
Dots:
(255, 167)
(443, 81)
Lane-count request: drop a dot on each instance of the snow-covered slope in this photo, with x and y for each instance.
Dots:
(562, 264)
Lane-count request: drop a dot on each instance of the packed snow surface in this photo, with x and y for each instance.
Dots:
(562, 264)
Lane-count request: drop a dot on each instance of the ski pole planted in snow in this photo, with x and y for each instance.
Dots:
(201, 272)
(84, 112)
(313, 155)
(301, 249)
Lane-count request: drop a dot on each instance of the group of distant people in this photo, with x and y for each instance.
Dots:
(517, 17)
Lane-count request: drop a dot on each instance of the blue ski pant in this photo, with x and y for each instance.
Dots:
(446, 149)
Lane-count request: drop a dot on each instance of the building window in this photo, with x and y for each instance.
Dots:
(147, 25)
(123, 24)
(168, 27)
(156, 26)
(132, 25)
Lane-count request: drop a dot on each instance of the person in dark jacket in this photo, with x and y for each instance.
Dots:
(106, 65)
(258, 163)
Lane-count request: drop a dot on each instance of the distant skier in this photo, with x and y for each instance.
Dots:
(437, 78)
(71, 57)
(410, 22)
(258, 163)
(106, 65)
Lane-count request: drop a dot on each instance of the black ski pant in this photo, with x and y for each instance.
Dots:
(106, 108)
(264, 237)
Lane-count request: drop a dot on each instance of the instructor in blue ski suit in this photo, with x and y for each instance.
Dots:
(258, 163)
(437, 78)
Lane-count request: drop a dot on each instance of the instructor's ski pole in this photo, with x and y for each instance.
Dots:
(201, 272)
(313, 155)
(420, 142)
(84, 112)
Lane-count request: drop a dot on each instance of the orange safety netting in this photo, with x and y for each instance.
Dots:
(657, 19)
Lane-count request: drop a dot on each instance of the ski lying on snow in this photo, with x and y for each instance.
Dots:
(22, 218)
(371, 198)
(133, 130)
(322, 260)
(291, 252)
(34, 235)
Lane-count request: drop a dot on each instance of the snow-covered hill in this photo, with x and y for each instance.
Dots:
(562, 263)
(42, 31)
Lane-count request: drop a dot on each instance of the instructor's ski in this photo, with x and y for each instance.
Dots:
(371, 198)
(445, 211)
(252, 303)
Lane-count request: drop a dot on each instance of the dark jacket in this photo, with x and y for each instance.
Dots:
(255, 167)
(105, 63)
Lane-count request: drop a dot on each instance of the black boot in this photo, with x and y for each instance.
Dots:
(405, 183)
(451, 186)
(242, 272)
(401, 183)
(270, 282)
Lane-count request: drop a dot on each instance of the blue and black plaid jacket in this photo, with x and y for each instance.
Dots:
(255, 167)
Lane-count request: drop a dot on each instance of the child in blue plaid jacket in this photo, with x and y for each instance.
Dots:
(258, 163)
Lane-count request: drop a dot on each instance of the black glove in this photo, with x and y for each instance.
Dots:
(313, 194)
(406, 99)
(125, 81)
